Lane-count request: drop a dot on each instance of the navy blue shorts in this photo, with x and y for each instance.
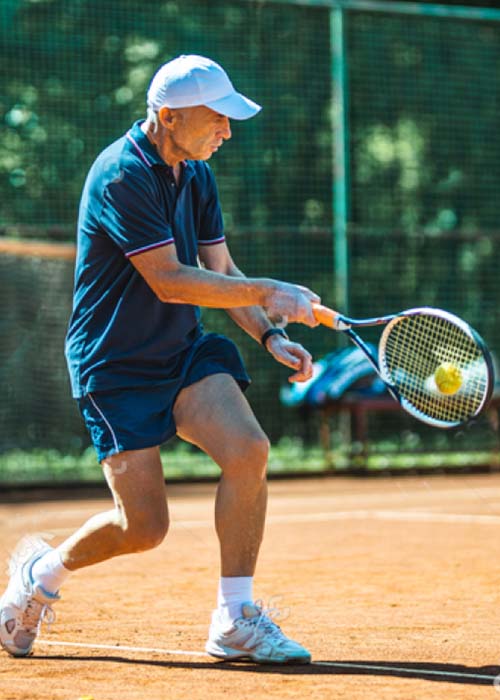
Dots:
(133, 419)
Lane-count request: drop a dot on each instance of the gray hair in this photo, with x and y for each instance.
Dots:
(152, 116)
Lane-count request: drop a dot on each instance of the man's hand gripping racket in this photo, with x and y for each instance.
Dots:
(433, 363)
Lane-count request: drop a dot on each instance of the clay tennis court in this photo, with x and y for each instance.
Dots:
(393, 584)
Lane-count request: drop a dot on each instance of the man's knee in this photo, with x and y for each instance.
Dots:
(143, 533)
(260, 448)
(253, 451)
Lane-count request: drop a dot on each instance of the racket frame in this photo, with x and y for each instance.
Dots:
(338, 322)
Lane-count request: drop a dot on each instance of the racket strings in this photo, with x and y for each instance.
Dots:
(415, 346)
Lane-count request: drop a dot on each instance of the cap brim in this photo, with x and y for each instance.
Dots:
(235, 106)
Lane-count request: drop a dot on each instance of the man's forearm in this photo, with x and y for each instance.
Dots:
(192, 285)
(223, 286)
(252, 319)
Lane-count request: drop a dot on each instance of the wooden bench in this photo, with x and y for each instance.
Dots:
(354, 410)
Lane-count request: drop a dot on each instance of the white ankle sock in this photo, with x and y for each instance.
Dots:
(233, 592)
(49, 572)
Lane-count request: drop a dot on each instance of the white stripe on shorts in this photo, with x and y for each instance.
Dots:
(115, 441)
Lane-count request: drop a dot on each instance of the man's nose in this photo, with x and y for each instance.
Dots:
(226, 131)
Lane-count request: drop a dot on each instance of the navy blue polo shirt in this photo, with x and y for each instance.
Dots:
(120, 334)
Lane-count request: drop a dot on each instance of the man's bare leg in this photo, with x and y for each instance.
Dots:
(139, 519)
(214, 415)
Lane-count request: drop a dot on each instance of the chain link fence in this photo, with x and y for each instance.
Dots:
(421, 95)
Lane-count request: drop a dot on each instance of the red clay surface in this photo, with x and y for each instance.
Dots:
(392, 583)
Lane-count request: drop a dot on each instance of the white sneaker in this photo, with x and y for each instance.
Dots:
(24, 605)
(256, 637)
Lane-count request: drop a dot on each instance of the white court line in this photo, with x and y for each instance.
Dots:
(121, 647)
(400, 669)
(400, 515)
(436, 494)
(420, 516)
(409, 516)
(333, 664)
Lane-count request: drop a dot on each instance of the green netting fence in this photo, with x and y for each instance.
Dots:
(417, 153)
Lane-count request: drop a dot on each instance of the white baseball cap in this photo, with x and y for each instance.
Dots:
(190, 81)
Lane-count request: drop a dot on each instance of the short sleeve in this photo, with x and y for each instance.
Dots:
(132, 214)
(211, 225)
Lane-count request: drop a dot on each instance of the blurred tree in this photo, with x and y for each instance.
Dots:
(423, 114)
(74, 75)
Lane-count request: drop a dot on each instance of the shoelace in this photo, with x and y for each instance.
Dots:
(264, 620)
(35, 614)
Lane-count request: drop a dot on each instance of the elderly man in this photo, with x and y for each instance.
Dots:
(143, 370)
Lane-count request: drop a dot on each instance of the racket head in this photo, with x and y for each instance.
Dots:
(414, 344)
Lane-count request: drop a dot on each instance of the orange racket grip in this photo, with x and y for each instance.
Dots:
(325, 316)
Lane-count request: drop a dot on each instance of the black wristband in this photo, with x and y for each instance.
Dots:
(270, 332)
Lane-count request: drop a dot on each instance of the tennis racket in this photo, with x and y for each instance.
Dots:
(413, 345)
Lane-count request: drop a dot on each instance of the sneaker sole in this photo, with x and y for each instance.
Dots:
(228, 654)
(11, 650)
(16, 654)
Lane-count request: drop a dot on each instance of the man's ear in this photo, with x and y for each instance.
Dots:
(167, 117)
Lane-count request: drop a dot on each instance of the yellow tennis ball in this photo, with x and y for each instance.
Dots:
(448, 378)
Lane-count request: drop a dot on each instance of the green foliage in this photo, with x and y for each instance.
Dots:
(288, 457)
(74, 76)
(425, 142)
(179, 462)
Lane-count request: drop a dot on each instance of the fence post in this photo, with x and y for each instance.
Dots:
(340, 124)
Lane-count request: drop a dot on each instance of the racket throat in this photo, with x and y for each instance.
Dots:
(341, 325)
(372, 360)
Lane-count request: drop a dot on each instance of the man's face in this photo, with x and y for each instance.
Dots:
(197, 132)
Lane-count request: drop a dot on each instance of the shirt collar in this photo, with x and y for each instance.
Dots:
(147, 151)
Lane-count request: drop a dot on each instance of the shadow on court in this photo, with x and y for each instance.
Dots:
(438, 673)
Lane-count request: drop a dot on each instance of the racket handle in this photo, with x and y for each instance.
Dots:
(325, 316)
